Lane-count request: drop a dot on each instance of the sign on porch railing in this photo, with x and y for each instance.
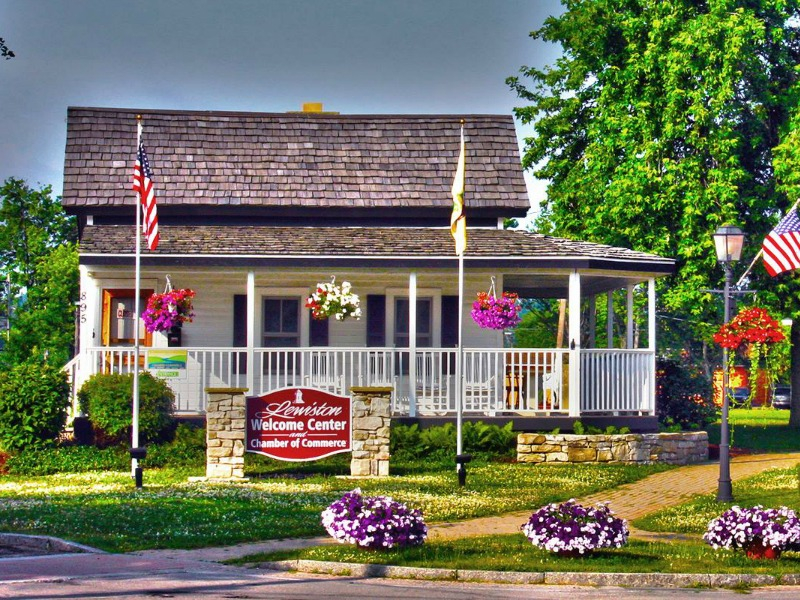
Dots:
(298, 424)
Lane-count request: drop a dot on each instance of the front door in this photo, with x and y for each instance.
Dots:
(119, 324)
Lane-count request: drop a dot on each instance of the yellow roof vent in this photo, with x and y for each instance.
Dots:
(314, 107)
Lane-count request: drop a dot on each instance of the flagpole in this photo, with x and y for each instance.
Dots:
(136, 309)
(458, 227)
(761, 250)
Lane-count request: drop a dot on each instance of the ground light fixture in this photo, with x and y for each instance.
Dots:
(728, 240)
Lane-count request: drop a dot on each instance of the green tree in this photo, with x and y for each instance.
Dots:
(44, 324)
(657, 125)
(39, 259)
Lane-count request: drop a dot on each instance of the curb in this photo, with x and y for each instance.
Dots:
(45, 543)
(661, 580)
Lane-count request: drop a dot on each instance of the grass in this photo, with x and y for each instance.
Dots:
(516, 553)
(102, 509)
(760, 430)
(773, 488)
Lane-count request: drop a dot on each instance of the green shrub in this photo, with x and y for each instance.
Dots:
(108, 400)
(69, 459)
(683, 397)
(188, 448)
(408, 442)
(34, 398)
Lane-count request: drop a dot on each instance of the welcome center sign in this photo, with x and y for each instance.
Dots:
(298, 424)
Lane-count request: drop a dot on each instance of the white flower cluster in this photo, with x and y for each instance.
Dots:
(331, 300)
(740, 527)
(572, 528)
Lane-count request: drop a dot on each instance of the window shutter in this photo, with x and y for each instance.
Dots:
(318, 332)
(376, 320)
(240, 331)
(449, 321)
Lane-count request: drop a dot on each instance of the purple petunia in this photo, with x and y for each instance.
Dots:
(376, 522)
(572, 528)
(778, 528)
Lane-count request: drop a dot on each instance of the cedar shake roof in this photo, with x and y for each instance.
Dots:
(199, 243)
(292, 160)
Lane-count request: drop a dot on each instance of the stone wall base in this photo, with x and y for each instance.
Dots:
(633, 448)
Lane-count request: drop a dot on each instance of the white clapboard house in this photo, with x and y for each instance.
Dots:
(255, 209)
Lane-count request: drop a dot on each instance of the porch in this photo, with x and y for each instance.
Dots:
(497, 382)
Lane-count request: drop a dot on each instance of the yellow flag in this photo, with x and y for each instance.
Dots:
(458, 222)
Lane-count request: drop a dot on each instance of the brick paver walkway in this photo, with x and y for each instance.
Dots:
(633, 500)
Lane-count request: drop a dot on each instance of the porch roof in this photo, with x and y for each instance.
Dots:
(359, 247)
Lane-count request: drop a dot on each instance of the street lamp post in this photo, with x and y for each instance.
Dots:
(728, 240)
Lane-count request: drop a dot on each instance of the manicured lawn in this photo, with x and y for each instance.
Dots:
(759, 429)
(104, 510)
(516, 553)
(773, 488)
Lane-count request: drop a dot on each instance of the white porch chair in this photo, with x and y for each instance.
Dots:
(431, 392)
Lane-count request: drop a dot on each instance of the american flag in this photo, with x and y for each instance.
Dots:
(143, 185)
(782, 246)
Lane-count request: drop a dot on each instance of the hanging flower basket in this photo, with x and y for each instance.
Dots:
(753, 334)
(762, 533)
(570, 529)
(331, 300)
(171, 309)
(491, 312)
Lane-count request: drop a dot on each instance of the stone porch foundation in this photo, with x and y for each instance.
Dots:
(633, 448)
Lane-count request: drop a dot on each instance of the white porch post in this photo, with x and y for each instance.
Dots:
(251, 331)
(574, 326)
(651, 342)
(629, 324)
(610, 319)
(412, 344)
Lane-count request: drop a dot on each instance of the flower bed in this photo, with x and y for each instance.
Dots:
(761, 532)
(572, 529)
(375, 522)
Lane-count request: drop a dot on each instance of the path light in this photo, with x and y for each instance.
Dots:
(728, 240)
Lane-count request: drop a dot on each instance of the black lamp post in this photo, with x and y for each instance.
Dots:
(728, 240)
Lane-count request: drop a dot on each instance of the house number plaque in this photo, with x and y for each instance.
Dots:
(298, 424)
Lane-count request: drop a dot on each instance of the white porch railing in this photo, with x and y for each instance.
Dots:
(527, 381)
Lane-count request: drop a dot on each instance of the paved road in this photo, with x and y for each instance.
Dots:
(208, 581)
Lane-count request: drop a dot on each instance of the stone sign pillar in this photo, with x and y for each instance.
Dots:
(371, 422)
(225, 433)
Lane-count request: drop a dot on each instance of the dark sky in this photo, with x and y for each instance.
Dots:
(356, 56)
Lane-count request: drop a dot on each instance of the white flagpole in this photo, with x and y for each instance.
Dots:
(135, 423)
(460, 361)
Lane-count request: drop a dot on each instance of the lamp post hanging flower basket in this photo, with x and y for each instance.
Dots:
(491, 312)
(171, 309)
(755, 334)
(331, 300)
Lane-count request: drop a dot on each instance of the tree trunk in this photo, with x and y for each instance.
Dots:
(794, 339)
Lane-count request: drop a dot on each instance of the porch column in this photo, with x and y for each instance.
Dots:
(610, 319)
(251, 331)
(651, 342)
(412, 344)
(574, 326)
(629, 324)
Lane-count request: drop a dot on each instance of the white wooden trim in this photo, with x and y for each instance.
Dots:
(574, 346)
